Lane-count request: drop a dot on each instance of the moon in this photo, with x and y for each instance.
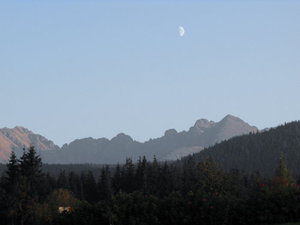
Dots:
(181, 31)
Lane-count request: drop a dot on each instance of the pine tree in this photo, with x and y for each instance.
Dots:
(152, 175)
(30, 184)
(90, 191)
(62, 181)
(31, 163)
(165, 180)
(116, 180)
(12, 172)
(128, 178)
(105, 184)
(140, 175)
(283, 177)
(74, 184)
(188, 174)
(211, 179)
(11, 188)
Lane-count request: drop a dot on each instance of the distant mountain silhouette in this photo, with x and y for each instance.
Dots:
(173, 145)
(19, 137)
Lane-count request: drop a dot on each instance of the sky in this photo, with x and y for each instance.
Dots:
(80, 68)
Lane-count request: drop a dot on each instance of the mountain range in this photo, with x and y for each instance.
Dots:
(171, 146)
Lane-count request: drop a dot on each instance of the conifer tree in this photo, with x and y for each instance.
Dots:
(140, 175)
(90, 191)
(165, 180)
(31, 163)
(188, 174)
(128, 173)
(11, 188)
(30, 184)
(116, 180)
(31, 170)
(12, 172)
(62, 181)
(152, 177)
(283, 177)
(105, 184)
(211, 178)
(74, 184)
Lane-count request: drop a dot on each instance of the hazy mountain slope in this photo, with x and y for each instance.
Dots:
(259, 151)
(171, 146)
(18, 137)
(230, 126)
(89, 150)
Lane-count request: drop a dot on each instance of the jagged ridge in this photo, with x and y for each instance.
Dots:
(172, 145)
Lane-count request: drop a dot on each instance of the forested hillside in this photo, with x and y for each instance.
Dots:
(148, 193)
(258, 151)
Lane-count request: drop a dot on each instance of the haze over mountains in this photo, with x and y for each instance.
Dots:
(173, 145)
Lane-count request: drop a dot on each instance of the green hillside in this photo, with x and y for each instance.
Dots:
(259, 151)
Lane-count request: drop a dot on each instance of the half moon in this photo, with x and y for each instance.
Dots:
(181, 31)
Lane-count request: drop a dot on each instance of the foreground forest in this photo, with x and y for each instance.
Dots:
(146, 193)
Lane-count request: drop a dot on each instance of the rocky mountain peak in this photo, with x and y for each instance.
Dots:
(18, 137)
(121, 137)
(201, 125)
(231, 126)
(230, 117)
(170, 132)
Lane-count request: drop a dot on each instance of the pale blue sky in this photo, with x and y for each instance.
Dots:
(74, 69)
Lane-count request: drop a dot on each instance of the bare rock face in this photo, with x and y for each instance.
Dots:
(170, 132)
(200, 126)
(231, 126)
(20, 137)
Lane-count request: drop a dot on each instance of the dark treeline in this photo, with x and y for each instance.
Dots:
(2, 168)
(55, 169)
(146, 193)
